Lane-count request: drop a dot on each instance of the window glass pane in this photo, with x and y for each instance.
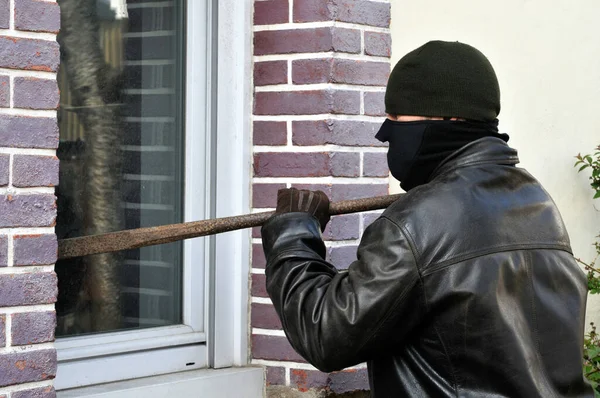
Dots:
(122, 160)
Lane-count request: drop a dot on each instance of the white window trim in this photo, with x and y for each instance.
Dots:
(90, 360)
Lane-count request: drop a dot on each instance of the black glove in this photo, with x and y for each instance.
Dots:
(313, 202)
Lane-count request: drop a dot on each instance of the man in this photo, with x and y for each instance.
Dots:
(466, 286)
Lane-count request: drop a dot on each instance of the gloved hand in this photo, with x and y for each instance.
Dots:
(313, 202)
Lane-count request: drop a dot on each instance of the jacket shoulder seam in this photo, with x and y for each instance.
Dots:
(435, 267)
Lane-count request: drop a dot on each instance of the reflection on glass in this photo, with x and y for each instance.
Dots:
(121, 152)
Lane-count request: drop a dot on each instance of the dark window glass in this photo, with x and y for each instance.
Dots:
(122, 160)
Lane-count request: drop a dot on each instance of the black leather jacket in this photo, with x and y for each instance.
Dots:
(465, 287)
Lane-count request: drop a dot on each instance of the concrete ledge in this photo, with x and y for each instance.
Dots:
(231, 382)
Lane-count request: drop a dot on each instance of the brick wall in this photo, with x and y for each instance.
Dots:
(320, 69)
(29, 58)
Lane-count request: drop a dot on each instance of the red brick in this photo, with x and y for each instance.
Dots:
(344, 164)
(365, 73)
(272, 72)
(357, 191)
(28, 289)
(269, 133)
(311, 71)
(305, 380)
(274, 348)
(349, 380)
(28, 366)
(375, 164)
(341, 256)
(259, 287)
(264, 316)
(354, 11)
(273, 164)
(29, 54)
(374, 103)
(37, 16)
(336, 132)
(256, 232)
(275, 376)
(271, 12)
(343, 71)
(265, 195)
(307, 102)
(313, 40)
(315, 187)
(378, 44)
(258, 256)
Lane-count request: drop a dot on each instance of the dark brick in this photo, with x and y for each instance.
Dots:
(27, 211)
(365, 73)
(326, 188)
(344, 164)
(274, 348)
(375, 164)
(35, 171)
(4, 14)
(28, 132)
(34, 93)
(336, 132)
(341, 256)
(258, 256)
(307, 102)
(33, 327)
(305, 380)
(369, 218)
(35, 249)
(345, 227)
(27, 366)
(374, 103)
(349, 380)
(36, 15)
(269, 133)
(272, 72)
(378, 44)
(343, 71)
(3, 250)
(311, 71)
(43, 392)
(27, 289)
(357, 191)
(259, 287)
(271, 12)
(29, 54)
(265, 195)
(264, 316)
(279, 164)
(313, 40)
(4, 170)
(354, 11)
(275, 376)
(256, 232)
(4, 91)
(2, 330)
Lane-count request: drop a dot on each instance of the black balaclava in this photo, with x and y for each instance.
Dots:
(438, 80)
(416, 149)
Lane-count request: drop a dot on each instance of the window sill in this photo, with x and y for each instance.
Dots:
(231, 382)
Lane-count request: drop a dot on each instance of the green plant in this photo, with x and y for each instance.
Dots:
(591, 349)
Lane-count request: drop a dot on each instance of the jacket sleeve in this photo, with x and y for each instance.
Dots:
(336, 319)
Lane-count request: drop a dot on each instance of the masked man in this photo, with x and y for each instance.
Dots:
(464, 287)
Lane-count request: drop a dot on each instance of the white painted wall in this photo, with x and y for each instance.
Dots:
(547, 58)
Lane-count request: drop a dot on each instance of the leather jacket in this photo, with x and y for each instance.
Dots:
(464, 287)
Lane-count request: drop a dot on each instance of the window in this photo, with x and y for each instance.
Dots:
(136, 150)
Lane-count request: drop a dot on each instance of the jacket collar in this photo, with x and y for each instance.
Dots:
(483, 151)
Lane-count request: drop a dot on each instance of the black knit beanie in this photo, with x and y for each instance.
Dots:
(444, 79)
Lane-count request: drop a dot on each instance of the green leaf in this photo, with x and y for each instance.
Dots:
(585, 166)
(589, 158)
(597, 195)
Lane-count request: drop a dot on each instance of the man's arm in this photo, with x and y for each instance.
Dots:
(339, 319)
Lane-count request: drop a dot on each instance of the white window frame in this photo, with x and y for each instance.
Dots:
(214, 333)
